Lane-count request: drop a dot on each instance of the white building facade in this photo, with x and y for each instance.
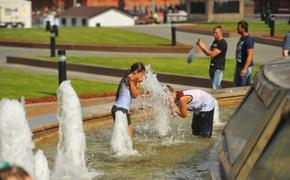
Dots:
(110, 17)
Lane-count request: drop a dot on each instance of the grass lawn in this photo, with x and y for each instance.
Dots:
(85, 36)
(15, 84)
(176, 65)
(254, 26)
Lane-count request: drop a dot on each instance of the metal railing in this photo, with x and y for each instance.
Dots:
(283, 18)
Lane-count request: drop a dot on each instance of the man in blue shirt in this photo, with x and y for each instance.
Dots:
(244, 56)
(286, 45)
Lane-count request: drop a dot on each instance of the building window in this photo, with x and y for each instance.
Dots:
(226, 7)
(63, 21)
(197, 7)
(73, 22)
(84, 22)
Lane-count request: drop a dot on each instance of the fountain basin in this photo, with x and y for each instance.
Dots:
(185, 152)
(256, 138)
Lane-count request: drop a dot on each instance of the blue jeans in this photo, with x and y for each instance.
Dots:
(216, 76)
(242, 80)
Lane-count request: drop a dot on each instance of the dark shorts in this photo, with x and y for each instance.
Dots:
(202, 124)
(115, 109)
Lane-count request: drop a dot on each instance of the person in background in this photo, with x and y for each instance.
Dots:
(13, 172)
(286, 45)
(128, 89)
(244, 56)
(201, 103)
(217, 52)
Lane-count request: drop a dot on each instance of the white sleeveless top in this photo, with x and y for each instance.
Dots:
(124, 98)
(201, 101)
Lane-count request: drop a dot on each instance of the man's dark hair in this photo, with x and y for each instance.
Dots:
(244, 25)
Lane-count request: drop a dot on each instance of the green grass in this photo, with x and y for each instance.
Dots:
(174, 65)
(15, 84)
(85, 36)
(254, 26)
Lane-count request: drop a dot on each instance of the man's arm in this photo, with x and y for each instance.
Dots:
(206, 51)
(181, 109)
(249, 58)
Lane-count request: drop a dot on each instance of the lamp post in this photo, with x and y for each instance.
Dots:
(173, 34)
(165, 12)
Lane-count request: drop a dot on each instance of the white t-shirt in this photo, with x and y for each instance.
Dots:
(201, 101)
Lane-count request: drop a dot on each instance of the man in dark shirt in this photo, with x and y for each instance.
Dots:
(217, 52)
(244, 56)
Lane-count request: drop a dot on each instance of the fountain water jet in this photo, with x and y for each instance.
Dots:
(16, 140)
(70, 159)
(160, 94)
(121, 143)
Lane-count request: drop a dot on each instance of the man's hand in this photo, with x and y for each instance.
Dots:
(243, 72)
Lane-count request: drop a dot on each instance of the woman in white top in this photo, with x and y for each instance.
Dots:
(201, 103)
(128, 89)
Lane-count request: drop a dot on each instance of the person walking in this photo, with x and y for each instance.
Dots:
(217, 52)
(244, 56)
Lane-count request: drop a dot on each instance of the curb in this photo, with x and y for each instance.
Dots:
(257, 39)
(268, 41)
(192, 29)
(110, 48)
(163, 77)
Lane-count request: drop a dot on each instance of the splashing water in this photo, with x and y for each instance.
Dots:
(121, 143)
(41, 166)
(159, 95)
(16, 143)
(216, 116)
(70, 159)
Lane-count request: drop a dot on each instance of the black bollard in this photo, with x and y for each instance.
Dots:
(272, 25)
(53, 35)
(61, 66)
(173, 34)
(47, 26)
(52, 44)
(55, 30)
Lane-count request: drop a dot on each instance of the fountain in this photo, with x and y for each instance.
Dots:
(16, 140)
(159, 95)
(256, 138)
(183, 156)
(70, 159)
(121, 142)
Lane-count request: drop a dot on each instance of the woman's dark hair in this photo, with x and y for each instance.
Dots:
(139, 67)
(244, 25)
